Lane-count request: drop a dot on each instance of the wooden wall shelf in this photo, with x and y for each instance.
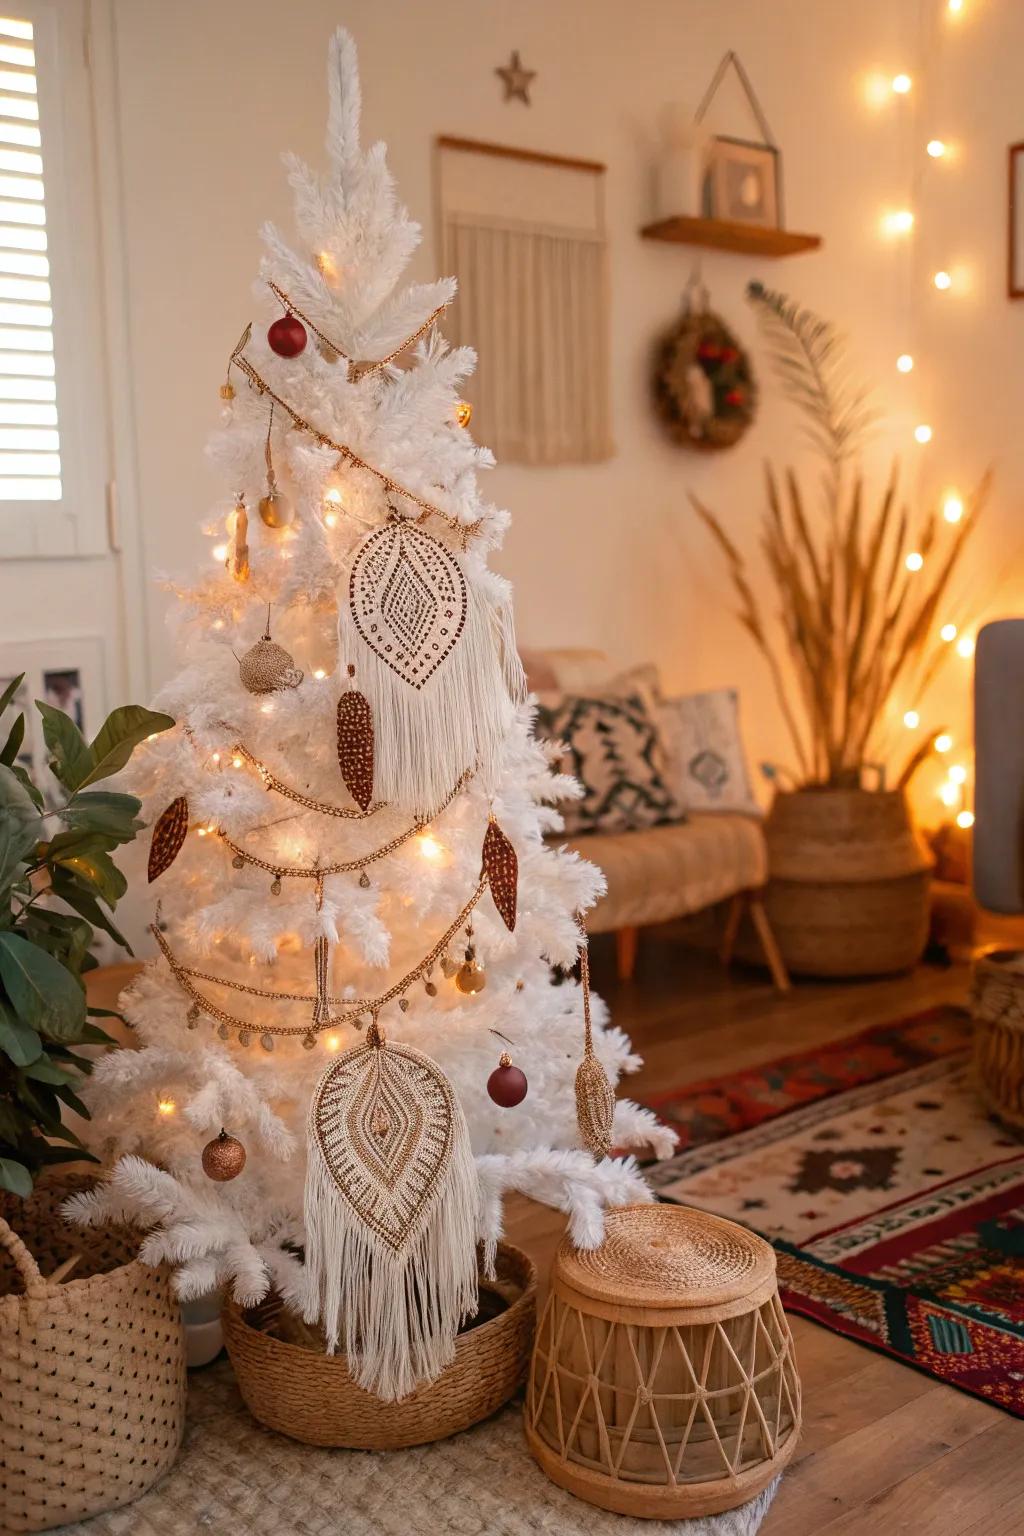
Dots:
(724, 235)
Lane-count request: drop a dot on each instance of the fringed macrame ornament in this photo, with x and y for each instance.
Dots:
(355, 744)
(501, 866)
(169, 833)
(595, 1096)
(390, 1213)
(435, 659)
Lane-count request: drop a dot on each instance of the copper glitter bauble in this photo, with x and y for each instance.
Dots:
(276, 510)
(471, 977)
(287, 336)
(507, 1085)
(168, 835)
(223, 1158)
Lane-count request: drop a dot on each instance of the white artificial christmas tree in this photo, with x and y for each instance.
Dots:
(322, 891)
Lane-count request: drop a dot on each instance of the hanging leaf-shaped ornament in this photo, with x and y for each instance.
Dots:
(390, 1205)
(595, 1096)
(436, 659)
(501, 866)
(407, 595)
(355, 744)
(168, 835)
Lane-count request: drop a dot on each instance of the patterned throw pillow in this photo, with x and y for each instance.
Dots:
(707, 765)
(616, 752)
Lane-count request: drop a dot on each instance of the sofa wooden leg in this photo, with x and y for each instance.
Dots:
(626, 941)
(776, 965)
(732, 926)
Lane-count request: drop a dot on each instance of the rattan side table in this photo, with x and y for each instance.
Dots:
(663, 1382)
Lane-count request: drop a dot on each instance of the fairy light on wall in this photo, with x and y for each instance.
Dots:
(901, 84)
(965, 647)
(914, 561)
(948, 632)
(905, 362)
(953, 508)
(936, 148)
(942, 280)
(923, 433)
(911, 719)
(898, 221)
(943, 742)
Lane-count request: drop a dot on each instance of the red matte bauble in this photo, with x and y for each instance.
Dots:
(287, 336)
(507, 1084)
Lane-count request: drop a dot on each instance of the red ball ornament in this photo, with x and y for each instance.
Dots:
(507, 1084)
(287, 336)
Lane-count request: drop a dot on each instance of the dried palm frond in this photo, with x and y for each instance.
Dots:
(855, 621)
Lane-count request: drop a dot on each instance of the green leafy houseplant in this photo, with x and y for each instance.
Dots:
(58, 884)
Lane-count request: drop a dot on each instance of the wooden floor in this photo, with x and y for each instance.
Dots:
(884, 1448)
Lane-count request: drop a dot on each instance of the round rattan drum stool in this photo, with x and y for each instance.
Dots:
(663, 1383)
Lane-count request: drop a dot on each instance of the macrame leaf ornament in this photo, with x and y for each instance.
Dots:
(355, 745)
(169, 833)
(390, 1214)
(435, 659)
(501, 866)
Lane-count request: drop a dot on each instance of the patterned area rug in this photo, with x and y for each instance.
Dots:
(235, 1479)
(895, 1204)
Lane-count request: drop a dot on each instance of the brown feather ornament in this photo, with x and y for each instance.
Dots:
(168, 835)
(355, 745)
(595, 1096)
(501, 866)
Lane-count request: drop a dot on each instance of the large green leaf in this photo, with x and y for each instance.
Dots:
(43, 992)
(18, 1040)
(89, 860)
(100, 810)
(46, 1071)
(34, 793)
(15, 1177)
(119, 735)
(70, 753)
(67, 886)
(19, 826)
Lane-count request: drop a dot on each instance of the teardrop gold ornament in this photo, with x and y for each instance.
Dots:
(463, 413)
(168, 835)
(355, 744)
(471, 977)
(501, 866)
(276, 509)
(267, 667)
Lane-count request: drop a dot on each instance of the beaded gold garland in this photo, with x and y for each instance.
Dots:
(349, 455)
(351, 1009)
(356, 371)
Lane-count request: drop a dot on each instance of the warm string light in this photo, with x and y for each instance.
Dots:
(166, 1107)
(429, 847)
(219, 552)
(949, 794)
(957, 773)
(904, 362)
(943, 742)
(914, 561)
(948, 633)
(953, 509)
(923, 433)
(935, 148)
(901, 84)
(911, 719)
(899, 221)
(965, 819)
(965, 646)
(942, 281)
(319, 673)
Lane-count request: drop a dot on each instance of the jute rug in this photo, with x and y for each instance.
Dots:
(895, 1204)
(235, 1479)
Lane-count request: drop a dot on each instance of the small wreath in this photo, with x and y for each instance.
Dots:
(704, 385)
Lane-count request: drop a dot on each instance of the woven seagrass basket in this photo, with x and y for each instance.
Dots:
(997, 1012)
(290, 1385)
(663, 1383)
(92, 1368)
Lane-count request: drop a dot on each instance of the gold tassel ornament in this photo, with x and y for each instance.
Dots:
(595, 1096)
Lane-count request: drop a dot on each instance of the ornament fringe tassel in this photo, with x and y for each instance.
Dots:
(390, 1216)
(426, 737)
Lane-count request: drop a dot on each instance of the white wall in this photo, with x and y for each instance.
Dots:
(609, 554)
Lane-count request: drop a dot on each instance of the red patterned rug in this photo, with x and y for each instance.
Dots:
(895, 1204)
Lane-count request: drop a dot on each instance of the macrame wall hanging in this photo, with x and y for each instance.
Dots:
(434, 659)
(524, 233)
(390, 1215)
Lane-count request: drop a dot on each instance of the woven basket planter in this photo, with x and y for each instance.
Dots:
(997, 1010)
(92, 1369)
(663, 1383)
(296, 1389)
(848, 893)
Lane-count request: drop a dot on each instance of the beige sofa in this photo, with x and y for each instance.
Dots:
(659, 873)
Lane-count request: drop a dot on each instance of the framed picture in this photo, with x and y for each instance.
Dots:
(742, 182)
(67, 674)
(1015, 224)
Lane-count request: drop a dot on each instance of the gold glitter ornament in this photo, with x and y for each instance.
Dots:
(463, 413)
(355, 744)
(223, 1158)
(471, 977)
